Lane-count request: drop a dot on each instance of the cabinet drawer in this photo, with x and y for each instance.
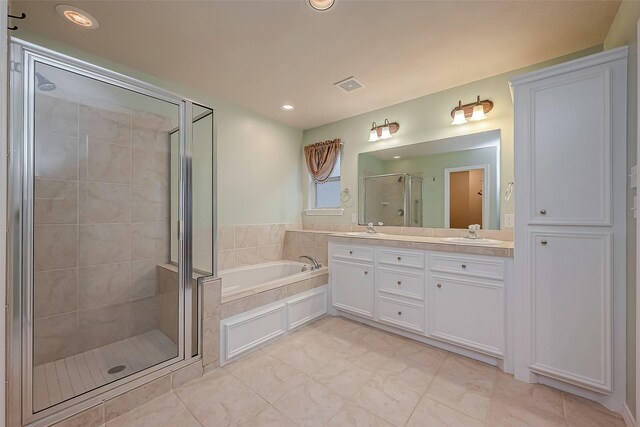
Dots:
(489, 268)
(401, 314)
(356, 253)
(400, 282)
(401, 257)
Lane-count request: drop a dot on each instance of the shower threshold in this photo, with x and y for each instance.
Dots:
(63, 379)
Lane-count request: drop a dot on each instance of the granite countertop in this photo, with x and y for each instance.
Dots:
(503, 249)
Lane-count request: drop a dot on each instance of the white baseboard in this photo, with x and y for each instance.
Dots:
(628, 416)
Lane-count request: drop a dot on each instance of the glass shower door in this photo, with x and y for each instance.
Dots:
(102, 286)
(385, 199)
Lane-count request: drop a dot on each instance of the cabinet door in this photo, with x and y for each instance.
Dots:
(570, 148)
(468, 312)
(352, 287)
(571, 290)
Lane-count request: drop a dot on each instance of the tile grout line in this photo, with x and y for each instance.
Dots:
(185, 405)
(255, 392)
(423, 395)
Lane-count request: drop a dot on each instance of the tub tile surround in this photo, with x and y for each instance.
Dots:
(250, 244)
(100, 224)
(299, 380)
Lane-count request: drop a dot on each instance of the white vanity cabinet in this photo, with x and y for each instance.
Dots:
(467, 302)
(452, 298)
(352, 266)
(570, 212)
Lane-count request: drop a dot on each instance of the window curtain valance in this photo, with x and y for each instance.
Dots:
(321, 158)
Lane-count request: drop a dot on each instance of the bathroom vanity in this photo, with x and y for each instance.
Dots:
(452, 296)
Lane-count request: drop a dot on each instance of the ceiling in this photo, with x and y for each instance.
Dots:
(263, 54)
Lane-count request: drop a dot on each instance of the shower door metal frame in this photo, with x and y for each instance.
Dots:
(24, 56)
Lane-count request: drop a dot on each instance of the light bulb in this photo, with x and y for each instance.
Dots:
(459, 118)
(373, 135)
(478, 113)
(386, 133)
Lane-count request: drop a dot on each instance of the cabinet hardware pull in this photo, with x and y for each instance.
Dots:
(399, 258)
(439, 285)
(543, 212)
(366, 272)
(350, 252)
(544, 242)
(463, 266)
(399, 282)
(399, 313)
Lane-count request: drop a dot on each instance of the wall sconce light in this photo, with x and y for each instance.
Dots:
(474, 111)
(383, 132)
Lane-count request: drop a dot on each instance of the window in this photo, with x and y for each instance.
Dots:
(327, 194)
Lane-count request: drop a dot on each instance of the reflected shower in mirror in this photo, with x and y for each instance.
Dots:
(447, 183)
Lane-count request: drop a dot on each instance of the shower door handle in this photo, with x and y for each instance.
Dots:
(179, 229)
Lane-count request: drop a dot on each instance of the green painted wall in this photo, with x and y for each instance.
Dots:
(623, 31)
(426, 119)
(259, 167)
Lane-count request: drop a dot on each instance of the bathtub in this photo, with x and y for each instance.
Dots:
(243, 281)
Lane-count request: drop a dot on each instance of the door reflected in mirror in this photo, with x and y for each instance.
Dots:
(465, 198)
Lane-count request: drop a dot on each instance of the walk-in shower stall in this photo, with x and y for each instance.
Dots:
(110, 180)
(393, 199)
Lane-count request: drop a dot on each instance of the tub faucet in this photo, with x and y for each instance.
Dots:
(314, 263)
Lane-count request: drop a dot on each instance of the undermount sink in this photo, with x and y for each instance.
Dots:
(364, 234)
(468, 241)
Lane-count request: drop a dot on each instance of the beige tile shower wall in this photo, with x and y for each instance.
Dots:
(101, 217)
(242, 245)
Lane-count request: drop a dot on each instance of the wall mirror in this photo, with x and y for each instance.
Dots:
(446, 183)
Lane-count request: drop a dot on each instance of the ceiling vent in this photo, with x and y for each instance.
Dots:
(349, 84)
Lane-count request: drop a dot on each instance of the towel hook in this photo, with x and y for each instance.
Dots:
(345, 195)
(15, 27)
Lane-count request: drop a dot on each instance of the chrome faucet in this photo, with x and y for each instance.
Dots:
(370, 228)
(314, 263)
(473, 231)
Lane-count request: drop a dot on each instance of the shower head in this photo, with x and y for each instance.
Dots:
(44, 84)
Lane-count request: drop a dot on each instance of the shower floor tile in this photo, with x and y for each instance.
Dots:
(72, 376)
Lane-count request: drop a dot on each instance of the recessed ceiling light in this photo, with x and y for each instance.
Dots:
(77, 16)
(321, 5)
(287, 107)
(396, 157)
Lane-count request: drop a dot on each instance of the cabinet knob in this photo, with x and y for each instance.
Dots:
(399, 313)
(399, 282)
(544, 242)
(439, 285)
(543, 212)
(366, 272)
(399, 258)
(463, 266)
(350, 252)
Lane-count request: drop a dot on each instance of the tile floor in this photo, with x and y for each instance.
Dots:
(335, 372)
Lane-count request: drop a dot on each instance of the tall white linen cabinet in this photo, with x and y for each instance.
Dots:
(570, 250)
